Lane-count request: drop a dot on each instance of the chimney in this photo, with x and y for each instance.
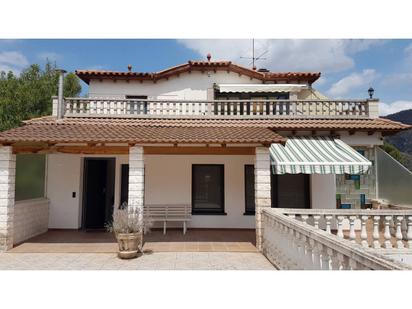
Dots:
(209, 56)
(129, 68)
(60, 103)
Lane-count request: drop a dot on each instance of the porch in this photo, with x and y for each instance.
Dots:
(195, 240)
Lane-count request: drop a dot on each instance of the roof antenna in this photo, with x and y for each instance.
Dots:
(253, 58)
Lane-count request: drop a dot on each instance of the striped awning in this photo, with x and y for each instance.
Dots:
(317, 155)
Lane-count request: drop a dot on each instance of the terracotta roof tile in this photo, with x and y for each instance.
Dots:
(379, 124)
(128, 130)
(310, 77)
(104, 132)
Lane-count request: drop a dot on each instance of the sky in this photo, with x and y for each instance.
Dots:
(348, 67)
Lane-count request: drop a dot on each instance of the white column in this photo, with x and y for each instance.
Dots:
(136, 178)
(262, 189)
(7, 181)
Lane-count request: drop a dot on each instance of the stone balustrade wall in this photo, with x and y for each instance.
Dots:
(293, 239)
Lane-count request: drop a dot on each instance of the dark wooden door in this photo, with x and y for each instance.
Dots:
(98, 192)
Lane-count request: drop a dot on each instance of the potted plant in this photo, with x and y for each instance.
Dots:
(128, 226)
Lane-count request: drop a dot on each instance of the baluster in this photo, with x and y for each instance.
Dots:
(316, 219)
(300, 252)
(364, 233)
(328, 219)
(304, 218)
(352, 234)
(343, 262)
(309, 252)
(334, 261)
(399, 242)
(317, 249)
(375, 235)
(387, 233)
(353, 265)
(340, 226)
(325, 258)
(409, 232)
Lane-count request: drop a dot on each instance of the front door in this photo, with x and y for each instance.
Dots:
(98, 192)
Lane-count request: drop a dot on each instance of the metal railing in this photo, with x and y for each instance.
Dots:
(87, 107)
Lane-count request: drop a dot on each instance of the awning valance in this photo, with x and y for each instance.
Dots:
(317, 155)
(261, 87)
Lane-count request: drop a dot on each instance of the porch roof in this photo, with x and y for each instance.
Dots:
(151, 130)
(106, 132)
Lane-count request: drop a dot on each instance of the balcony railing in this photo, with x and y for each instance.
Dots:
(317, 239)
(87, 107)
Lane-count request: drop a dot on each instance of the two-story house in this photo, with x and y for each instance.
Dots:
(223, 140)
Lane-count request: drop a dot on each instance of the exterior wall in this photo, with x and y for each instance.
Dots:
(168, 179)
(189, 86)
(323, 191)
(65, 176)
(350, 189)
(62, 180)
(31, 218)
(7, 184)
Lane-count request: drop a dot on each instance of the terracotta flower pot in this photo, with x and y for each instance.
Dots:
(129, 244)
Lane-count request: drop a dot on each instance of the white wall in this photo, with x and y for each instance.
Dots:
(187, 86)
(64, 178)
(323, 191)
(168, 179)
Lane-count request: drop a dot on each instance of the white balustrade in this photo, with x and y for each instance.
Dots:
(316, 239)
(216, 108)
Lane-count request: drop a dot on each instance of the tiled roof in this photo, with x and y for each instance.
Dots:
(310, 77)
(104, 132)
(378, 124)
(128, 130)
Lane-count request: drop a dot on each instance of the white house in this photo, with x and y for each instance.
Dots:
(223, 140)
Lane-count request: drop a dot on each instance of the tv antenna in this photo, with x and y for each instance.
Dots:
(253, 58)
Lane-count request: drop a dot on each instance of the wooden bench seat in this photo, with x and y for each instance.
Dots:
(169, 213)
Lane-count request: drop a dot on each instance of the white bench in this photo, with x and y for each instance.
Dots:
(169, 213)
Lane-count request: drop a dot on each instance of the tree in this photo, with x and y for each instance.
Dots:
(71, 86)
(29, 94)
(394, 152)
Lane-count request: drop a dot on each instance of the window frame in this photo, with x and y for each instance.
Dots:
(206, 211)
(249, 212)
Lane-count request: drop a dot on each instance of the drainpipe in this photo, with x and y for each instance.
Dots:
(60, 103)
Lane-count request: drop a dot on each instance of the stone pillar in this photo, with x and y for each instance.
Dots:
(7, 181)
(262, 189)
(373, 108)
(136, 178)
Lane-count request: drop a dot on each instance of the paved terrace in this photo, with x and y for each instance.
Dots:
(197, 250)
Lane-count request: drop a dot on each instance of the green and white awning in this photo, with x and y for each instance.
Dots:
(317, 155)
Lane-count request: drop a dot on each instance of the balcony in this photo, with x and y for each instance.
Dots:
(323, 239)
(272, 109)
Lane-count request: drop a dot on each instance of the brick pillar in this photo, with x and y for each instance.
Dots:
(7, 181)
(136, 177)
(262, 189)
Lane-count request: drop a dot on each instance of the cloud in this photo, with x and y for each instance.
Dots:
(353, 81)
(397, 79)
(394, 107)
(51, 56)
(12, 61)
(285, 55)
